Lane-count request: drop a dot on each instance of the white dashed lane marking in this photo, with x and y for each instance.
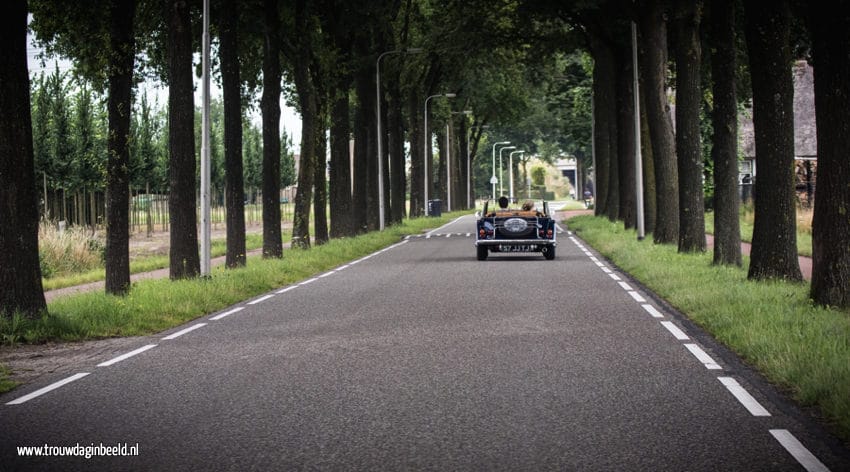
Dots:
(184, 331)
(126, 356)
(751, 404)
(703, 357)
(796, 449)
(230, 312)
(674, 330)
(46, 389)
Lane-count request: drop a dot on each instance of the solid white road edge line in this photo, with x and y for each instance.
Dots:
(751, 404)
(184, 331)
(228, 313)
(675, 331)
(703, 357)
(428, 235)
(291, 287)
(46, 389)
(309, 281)
(796, 449)
(126, 356)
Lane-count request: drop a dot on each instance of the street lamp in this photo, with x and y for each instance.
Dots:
(493, 179)
(381, 203)
(425, 157)
(511, 170)
(501, 187)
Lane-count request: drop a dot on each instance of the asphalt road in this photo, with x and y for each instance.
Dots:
(421, 357)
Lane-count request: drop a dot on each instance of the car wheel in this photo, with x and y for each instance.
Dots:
(549, 253)
(482, 253)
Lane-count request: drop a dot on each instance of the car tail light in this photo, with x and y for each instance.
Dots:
(549, 234)
(481, 232)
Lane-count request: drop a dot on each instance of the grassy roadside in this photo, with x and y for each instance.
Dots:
(804, 230)
(156, 305)
(146, 264)
(773, 326)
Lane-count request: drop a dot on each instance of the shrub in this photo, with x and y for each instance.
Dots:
(67, 252)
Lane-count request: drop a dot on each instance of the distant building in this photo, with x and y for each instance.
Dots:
(805, 138)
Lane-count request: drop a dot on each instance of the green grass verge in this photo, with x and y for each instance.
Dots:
(6, 384)
(804, 238)
(147, 264)
(773, 326)
(156, 305)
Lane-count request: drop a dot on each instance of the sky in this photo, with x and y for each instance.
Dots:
(290, 119)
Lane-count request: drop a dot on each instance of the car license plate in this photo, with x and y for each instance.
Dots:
(520, 248)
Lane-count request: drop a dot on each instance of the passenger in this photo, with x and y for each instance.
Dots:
(528, 206)
(503, 202)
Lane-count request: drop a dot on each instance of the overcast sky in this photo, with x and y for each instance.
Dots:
(290, 119)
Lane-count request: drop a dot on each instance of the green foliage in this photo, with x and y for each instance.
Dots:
(538, 176)
(772, 325)
(6, 384)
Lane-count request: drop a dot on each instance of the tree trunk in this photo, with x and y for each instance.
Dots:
(309, 122)
(774, 249)
(340, 178)
(654, 67)
(234, 196)
(320, 189)
(363, 144)
(395, 146)
(650, 204)
(604, 105)
(414, 111)
(626, 139)
(184, 259)
(270, 105)
(20, 274)
(831, 224)
(119, 104)
(724, 152)
(688, 94)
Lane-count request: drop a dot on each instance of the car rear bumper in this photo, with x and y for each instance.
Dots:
(516, 242)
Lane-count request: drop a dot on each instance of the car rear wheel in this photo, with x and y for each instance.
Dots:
(549, 253)
(482, 253)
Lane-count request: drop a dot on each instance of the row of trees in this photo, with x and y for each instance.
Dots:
(493, 55)
(714, 48)
(69, 144)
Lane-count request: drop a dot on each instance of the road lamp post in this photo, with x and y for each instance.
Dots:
(381, 203)
(493, 179)
(501, 186)
(425, 156)
(511, 170)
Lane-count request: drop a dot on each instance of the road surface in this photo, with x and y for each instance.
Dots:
(420, 357)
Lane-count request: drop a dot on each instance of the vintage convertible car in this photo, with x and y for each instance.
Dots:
(515, 230)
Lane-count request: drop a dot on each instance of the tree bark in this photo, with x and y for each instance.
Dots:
(395, 145)
(414, 111)
(688, 94)
(119, 106)
(724, 152)
(774, 246)
(20, 274)
(604, 99)
(364, 142)
(234, 190)
(626, 140)
(270, 106)
(320, 189)
(650, 204)
(653, 30)
(309, 122)
(340, 172)
(183, 254)
(831, 223)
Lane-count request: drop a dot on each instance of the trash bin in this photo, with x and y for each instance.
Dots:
(435, 208)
